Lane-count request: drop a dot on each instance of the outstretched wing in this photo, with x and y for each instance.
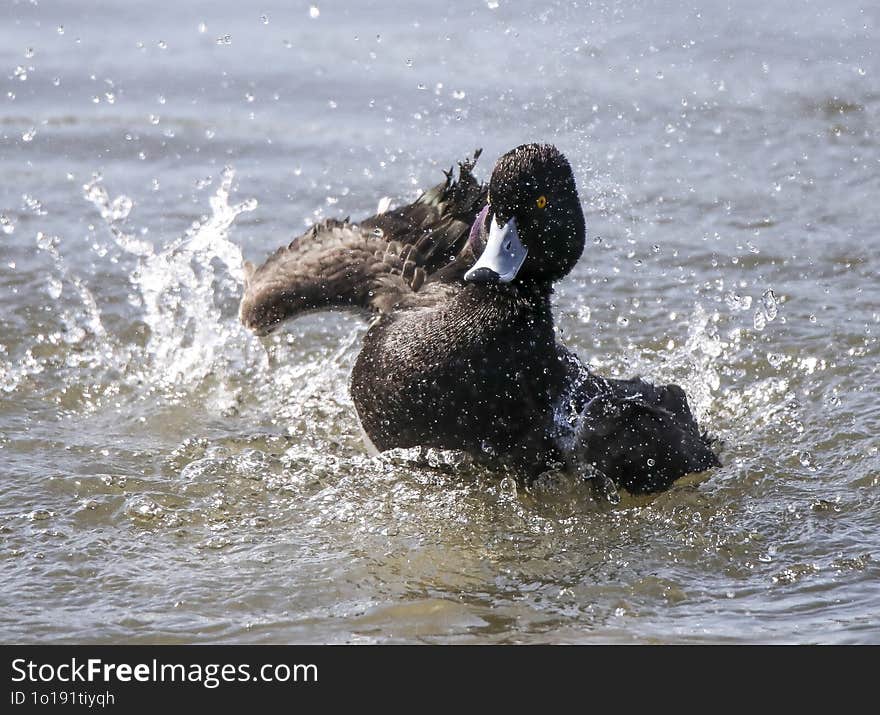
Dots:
(371, 265)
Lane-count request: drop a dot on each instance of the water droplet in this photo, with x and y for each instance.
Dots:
(54, 287)
(409, 62)
(584, 314)
(154, 118)
(29, 135)
(29, 52)
(6, 225)
(44, 242)
(652, 462)
(812, 318)
(492, 4)
(32, 204)
(60, 29)
(264, 19)
(738, 302)
(760, 320)
(120, 208)
(56, 81)
(458, 94)
(378, 232)
(20, 73)
(224, 40)
(203, 28)
(775, 359)
(162, 45)
(770, 305)
(314, 12)
(508, 487)
(622, 320)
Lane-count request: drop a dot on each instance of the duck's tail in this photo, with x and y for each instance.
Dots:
(642, 436)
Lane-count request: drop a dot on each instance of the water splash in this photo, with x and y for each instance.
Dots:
(735, 301)
(186, 291)
(767, 311)
(183, 290)
(114, 212)
(708, 363)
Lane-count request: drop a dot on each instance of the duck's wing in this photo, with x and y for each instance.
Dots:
(372, 265)
(438, 222)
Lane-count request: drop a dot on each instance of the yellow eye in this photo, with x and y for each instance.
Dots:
(541, 202)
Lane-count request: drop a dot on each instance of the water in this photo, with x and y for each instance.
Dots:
(167, 477)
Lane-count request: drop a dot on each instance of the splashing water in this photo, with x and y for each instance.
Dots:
(767, 310)
(185, 291)
(705, 365)
(114, 212)
(189, 337)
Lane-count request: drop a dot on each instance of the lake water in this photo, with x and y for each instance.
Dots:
(167, 477)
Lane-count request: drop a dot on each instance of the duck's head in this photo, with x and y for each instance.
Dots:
(533, 228)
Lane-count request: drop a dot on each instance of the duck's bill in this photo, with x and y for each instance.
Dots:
(503, 256)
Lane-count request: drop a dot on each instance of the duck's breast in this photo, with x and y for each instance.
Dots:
(478, 373)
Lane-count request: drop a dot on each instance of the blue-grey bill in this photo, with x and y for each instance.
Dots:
(503, 256)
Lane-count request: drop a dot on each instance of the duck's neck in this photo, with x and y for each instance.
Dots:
(532, 290)
(517, 298)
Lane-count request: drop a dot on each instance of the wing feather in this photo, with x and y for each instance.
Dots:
(369, 266)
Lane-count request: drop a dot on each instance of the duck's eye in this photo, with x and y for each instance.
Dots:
(541, 202)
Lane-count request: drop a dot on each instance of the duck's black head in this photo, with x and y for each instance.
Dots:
(533, 228)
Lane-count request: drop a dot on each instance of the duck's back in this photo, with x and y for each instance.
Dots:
(478, 372)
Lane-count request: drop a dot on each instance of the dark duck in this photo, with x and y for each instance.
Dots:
(461, 352)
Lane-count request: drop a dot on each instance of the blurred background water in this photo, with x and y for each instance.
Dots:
(166, 477)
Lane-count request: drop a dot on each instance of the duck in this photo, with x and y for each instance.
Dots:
(462, 351)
